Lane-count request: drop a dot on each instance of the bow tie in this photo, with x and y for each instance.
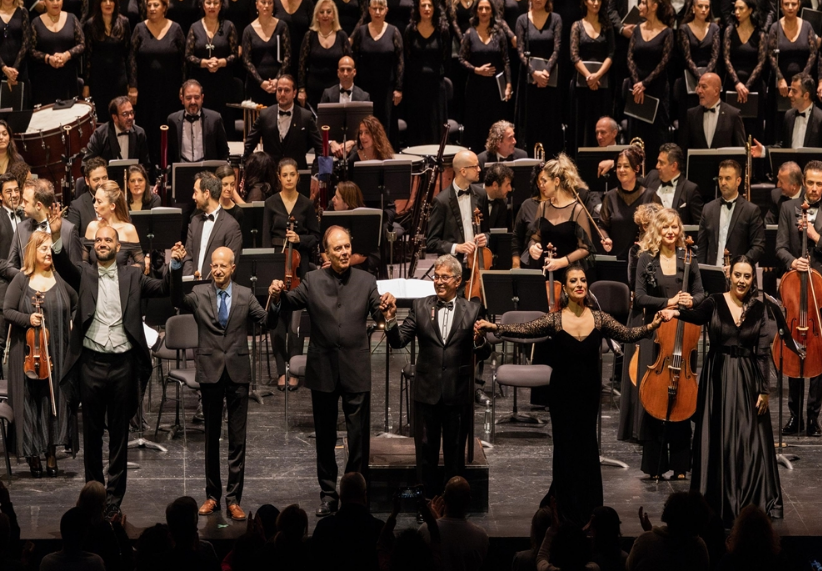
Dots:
(13, 216)
(346, 91)
(669, 184)
(207, 217)
(463, 193)
(109, 272)
(728, 204)
(286, 113)
(191, 118)
(711, 110)
(814, 205)
(44, 226)
(449, 305)
(803, 114)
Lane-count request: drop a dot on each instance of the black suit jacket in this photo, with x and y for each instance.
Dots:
(6, 240)
(777, 200)
(105, 143)
(445, 367)
(445, 223)
(71, 243)
(332, 94)
(226, 232)
(730, 131)
(81, 210)
(813, 134)
(215, 142)
(789, 238)
(687, 198)
(483, 157)
(746, 231)
(302, 136)
(338, 350)
(496, 212)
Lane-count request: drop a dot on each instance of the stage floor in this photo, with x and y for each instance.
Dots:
(280, 469)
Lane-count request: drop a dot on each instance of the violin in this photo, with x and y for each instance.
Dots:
(802, 315)
(669, 388)
(554, 288)
(37, 364)
(292, 260)
(480, 260)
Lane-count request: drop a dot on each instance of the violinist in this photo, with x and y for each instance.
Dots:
(789, 251)
(38, 432)
(659, 280)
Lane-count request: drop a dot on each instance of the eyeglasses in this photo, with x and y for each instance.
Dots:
(473, 167)
(439, 278)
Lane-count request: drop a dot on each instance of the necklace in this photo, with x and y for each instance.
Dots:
(53, 19)
(326, 36)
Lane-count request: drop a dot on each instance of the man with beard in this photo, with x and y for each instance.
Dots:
(196, 134)
(119, 138)
(81, 211)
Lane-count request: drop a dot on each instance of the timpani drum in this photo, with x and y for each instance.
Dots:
(417, 163)
(432, 150)
(54, 134)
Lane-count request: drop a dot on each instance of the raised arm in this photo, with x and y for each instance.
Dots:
(613, 329)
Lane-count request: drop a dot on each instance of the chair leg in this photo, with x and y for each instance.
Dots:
(164, 381)
(181, 407)
(515, 401)
(494, 407)
(285, 406)
(3, 426)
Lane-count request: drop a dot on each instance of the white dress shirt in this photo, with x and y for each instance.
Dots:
(725, 215)
(284, 121)
(466, 214)
(193, 139)
(13, 217)
(123, 141)
(800, 127)
(666, 193)
(345, 97)
(709, 122)
(445, 319)
(208, 227)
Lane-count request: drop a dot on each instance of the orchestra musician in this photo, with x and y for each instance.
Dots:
(789, 185)
(345, 91)
(81, 211)
(497, 185)
(195, 133)
(10, 216)
(673, 189)
(120, 137)
(501, 145)
(525, 218)
(712, 124)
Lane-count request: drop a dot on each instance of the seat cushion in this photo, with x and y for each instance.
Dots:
(6, 413)
(296, 365)
(185, 376)
(524, 375)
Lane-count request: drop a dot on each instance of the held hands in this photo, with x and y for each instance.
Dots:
(275, 289)
(762, 404)
(638, 91)
(541, 78)
(36, 319)
(481, 326)
(593, 81)
(388, 304)
(682, 298)
(178, 252)
(658, 319)
(668, 314)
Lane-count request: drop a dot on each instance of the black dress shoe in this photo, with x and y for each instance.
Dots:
(792, 426)
(327, 507)
(36, 467)
(481, 398)
(813, 428)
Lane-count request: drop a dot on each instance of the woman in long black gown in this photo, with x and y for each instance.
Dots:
(427, 45)
(108, 43)
(577, 332)
(14, 49)
(56, 41)
(734, 461)
(459, 18)
(266, 54)
(322, 48)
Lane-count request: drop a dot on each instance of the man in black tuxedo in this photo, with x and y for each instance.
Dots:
(119, 138)
(344, 92)
(196, 133)
(10, 216)
(497, 188)
(222, 312)
(673, 189)
(500, 145)
(802, 125)
(444, 325)
(730, 222)
(81, 211)
(789, 251)
(107, 355)
(287, 130)
(789, 186)
(712, 124)
(338, 300)
(210, 228)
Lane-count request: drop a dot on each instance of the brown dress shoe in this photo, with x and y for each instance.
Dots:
(208, 507)
(236, 512)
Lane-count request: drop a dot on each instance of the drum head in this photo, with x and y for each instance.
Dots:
(48, 118)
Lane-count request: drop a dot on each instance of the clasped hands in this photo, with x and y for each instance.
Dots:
(388, 303)
(178, 252)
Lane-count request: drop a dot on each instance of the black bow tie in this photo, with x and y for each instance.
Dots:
(127, 133)
(728, 204)
(346, 91)
(814, 205)
(44, 226)
(208, 217)
(709, 110)
(286, 113)
(803, 114)
(669, 184)
(191, 118)
(449, 305)
(463, 193)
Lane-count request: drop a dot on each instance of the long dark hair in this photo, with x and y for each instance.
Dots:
(756, 15)
(665, 13)
(493, 25)
(438, 18)
(753, 293)
(14, 156)
(98, 26)
(563, 297)
(602, 16)
(260, 171)
(139, 169)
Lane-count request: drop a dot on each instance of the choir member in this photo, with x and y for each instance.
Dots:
(459, 19)
(14, 50)
(266, 53)
(674, 190)
(802, 125)
(8, 148)
(138, 194)
(501, 145)
(297, 15)
(699, 40)
(712, 124)
(79, 8)
(322, 47)
(57, 39)
(399, 13)
(351, 14)
(108, 43)
(185, 13)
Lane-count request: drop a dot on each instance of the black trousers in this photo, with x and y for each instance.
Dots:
(108, 391)
(432, 422)
(236, 398)
(357, 411)
(796, 396)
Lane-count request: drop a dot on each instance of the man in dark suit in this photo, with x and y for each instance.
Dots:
(500, 145)
(802, 125)
(195, 133)
(287, 130)
(713, 123)
(788, 187)
(789, 251)
(730, 222)
(344, 92)
(10, 216)
(210, 228)
(444, 325)
(338, 300)
(497, 188)
(672, 187)
(81, 211)
(222, 312)
(107, 355)
(119, 138)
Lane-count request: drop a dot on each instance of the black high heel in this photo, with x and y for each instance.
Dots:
(51, 471)
(35, 467)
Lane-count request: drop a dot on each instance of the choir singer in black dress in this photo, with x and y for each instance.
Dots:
(322, 47)
(266, 54)
(57, 39)
(108, 43)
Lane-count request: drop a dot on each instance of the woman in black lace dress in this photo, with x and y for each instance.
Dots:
(266, 54)
(108, 43)
(56, 41)
(427, 44)
(745, 51)
(14, 49)
(574, 392)
(322, 48)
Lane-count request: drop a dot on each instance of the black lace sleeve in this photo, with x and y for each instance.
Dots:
(700, 314)
(685, 48)
(726, 52)
(548, 324)
(760, 61)
(285, 40)
(465, 50)
(79, 39)
(136, 42)
(305, 54)
(714, 49)
(249, 66)
(503, 48)
(452, 18)
(773, 43)
(35, 53)
(521, 28)
(632, 69)
(613, 329)
(191, 43)
(812, 46)
(232, 44)
(25, 48)
(575, 59)
(399, 61)
(346, 44)
(582, 231)
(556, 23)
(662, 66)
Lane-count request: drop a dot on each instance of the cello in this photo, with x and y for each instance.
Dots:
(480, 260)
(292, 259)
(554, 288)
(802, 315)
(669, 388)
(37, 364)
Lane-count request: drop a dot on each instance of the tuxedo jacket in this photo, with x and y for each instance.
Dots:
(81, 210)
(302, 136)
(730, 131)
(789, 238)
(496, 211)
(746, 232)
(445, 223)
(484, 157)
(215, 142)
(813, 134)
(445, 367)
(339, 357)
(777, 200)
(221, 348)
(687, 198)
(71, 244)
(105, 143)
(332, 94)
(226, 232)
(6, 240)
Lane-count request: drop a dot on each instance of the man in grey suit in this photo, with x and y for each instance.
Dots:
(222, 312)
(210, 228)
(338, 300)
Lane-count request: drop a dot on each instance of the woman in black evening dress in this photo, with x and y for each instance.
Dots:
(134, 10)
(427, 45)
(484, 54)
(266, 54)
(56, 41)
(322, 48)
(240, 13)
(577, 332)
(297, 15)
(108, 43)
(14, 49)
(185, 13)
(459, 18)
(734, 460)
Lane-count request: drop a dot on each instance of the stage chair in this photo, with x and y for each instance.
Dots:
(6, 418)
(518, 375)
(295, 367)
(455, 129)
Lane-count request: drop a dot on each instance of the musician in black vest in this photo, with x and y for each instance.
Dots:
(10, 216)
(497, 184)
(789, 185)
(444, 325)
(196, 133)
(119, 138)
(713, 123)
(789, 251)
(344, 92)
(500, 145)
(81, 211)
(673, 189)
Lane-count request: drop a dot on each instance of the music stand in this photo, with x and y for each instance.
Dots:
(118, 169)
(182, 178)
(588, 159)
(258, 265)
(499, 242)
(364, 224)
(703, 168)
(513, 290)
(252, 224)
(713, 278)
(383, 181)
(304, 185)
(611, 269)
(521, 183)
(343, 118)
(801, 156)
(158, 228)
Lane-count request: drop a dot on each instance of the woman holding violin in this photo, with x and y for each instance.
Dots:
(734, 461)
(577, 330)
(660, 276)
(34, 396)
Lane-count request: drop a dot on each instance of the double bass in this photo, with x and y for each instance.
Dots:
(480, 260)
(37, 364)
(802, 315)
(553, 287)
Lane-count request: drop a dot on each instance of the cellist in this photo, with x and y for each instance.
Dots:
(789, 252)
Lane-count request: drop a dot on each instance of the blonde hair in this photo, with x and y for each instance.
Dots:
(335, 25)
(653, 235)
(565, 170)
(30, 254)
(644, 214)
(118, 198)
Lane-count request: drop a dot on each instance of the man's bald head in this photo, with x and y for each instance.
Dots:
(708, 89)
(223, 253)
(346, 71)
(108, 232)
(463, 159)
(106, 245)
(466, 168)
(222, 266)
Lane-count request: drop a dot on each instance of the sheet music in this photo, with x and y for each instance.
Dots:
(406, 289)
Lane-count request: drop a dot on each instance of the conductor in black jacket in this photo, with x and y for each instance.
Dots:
(119, 138)
(712, 124)
(107, 355)
(444, 325)
(338, 300)
(287, 130)
(195, 133)
(674, 190)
